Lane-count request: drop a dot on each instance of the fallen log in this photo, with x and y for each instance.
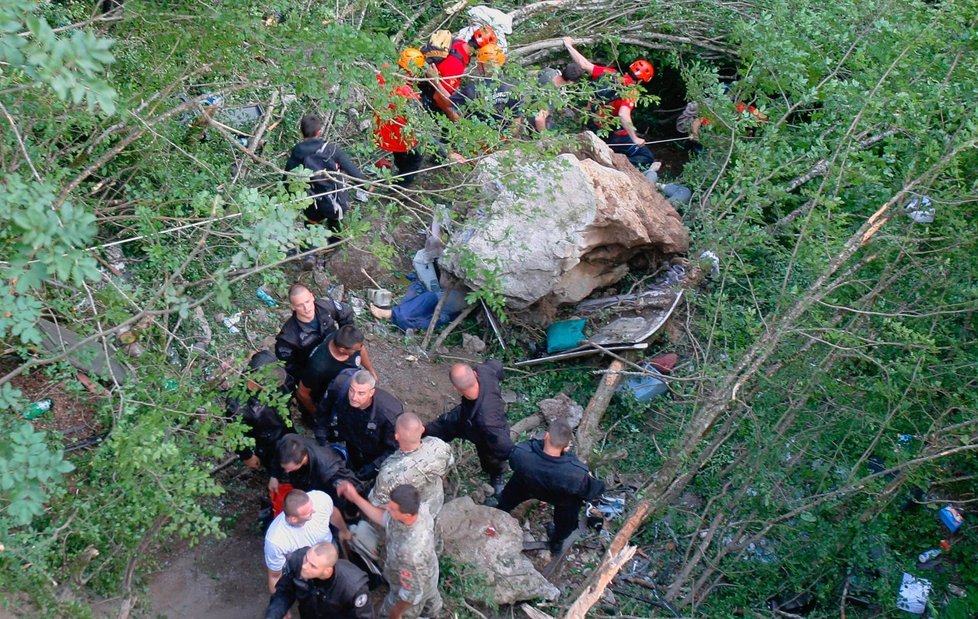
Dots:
(588, 430)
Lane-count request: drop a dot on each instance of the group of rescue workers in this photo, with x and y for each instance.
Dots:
(378, 467)
(441, 79)
(369, 462)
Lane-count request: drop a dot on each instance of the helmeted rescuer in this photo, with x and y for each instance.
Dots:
(392, 124)
(617, 96)
(447, 73)
(325, 586)
(546, 470)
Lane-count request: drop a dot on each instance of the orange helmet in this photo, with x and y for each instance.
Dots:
(642, 70)
(483, 35)
(492, 53)
(411, 58)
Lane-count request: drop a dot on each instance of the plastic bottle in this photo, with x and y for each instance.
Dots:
(266, 298)
(38, 408)
(928, 555)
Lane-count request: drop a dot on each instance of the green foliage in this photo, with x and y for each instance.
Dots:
(461, 581)
(30, 471)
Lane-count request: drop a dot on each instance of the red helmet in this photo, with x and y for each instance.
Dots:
(642, 70)
(483, 35)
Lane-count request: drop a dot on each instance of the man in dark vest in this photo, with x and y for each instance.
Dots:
(311, 321)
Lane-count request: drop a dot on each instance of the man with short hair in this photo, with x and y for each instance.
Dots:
(325, 586)
(325, 160)
(411, 567)
(311, 467)
(364, 418)
(311, 321)
(304, 521)
(339, 351)
(545, 470)
(479, 418)
(550, 77)
(420, 461)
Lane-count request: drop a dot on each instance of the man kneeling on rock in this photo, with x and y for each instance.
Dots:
(544, 470)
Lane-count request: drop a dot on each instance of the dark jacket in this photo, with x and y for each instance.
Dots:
(559, 481)
(368, 433)
(483, 420)
(344, 596)
(324, 469)
(293, 345)
(265, 426)
(332, 159)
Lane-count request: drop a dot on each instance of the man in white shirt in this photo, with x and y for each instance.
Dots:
(304, 521)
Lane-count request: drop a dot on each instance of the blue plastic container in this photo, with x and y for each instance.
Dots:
(951, 518)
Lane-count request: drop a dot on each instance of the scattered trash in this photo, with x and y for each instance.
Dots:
(380, 297)
(266, 298)
(565, 335)
(951, 587)
(38, 408)
(611, 507)
(921, 210)
(714, 262)
(928, 555)
(913, 595)
(411, 358)
(361, 195)
(951, 518)
(336, 292)
(231, 321)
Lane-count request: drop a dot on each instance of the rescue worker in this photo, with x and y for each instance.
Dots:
(623, 140)
(411, 565)
(419, 462)
(390, 129)
(364, 419)
(546, 471)
(325, 586)
(552, 78)
(325, 160)
(311, 321)
(304, 521)
(479, 418)
(487, 97)
(311, 467)
(339, 351)
(447, 73)
(265, 425)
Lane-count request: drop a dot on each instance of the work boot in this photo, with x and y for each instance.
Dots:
(498, 483)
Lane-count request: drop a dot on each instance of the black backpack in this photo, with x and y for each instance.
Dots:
(329, 195)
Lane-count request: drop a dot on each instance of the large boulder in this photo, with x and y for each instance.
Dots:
(553, 231)
(491, 541)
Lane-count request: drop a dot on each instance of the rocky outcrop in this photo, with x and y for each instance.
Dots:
(491, 542)
(554, 231)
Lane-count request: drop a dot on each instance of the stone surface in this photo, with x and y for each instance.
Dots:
(90, 358)
(491, 541)
(555, 231)
(562, 407)
(472, 344)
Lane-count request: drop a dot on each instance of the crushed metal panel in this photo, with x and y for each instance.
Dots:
(242, 117)
(583, 351)
(633, 329)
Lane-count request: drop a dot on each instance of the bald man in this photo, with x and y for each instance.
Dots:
(325, 586)
(419, 462)
(479, 418)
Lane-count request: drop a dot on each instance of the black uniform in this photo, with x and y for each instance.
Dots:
(343, 596)
(323, 367)
(564, 482)
(324, 469)
(265, 425)
(368, 433)
(296, 341)
(324, 158)
(482, 421)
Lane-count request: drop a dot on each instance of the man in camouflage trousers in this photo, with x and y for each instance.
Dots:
(411, 566)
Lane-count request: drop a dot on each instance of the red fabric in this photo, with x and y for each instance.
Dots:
(452, 67)
(389, 132)
(278, 498)
(753, 111)
(616, 105)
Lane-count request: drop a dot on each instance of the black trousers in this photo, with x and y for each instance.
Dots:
(407, 165)
(566, 514)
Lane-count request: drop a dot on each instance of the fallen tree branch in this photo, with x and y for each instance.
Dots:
(587, 431)
(601, 578)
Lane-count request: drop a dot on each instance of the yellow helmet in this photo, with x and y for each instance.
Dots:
(411, 58)
(492, 53)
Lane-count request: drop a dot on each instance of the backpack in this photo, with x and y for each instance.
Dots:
(438, 47)
(329, 197)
